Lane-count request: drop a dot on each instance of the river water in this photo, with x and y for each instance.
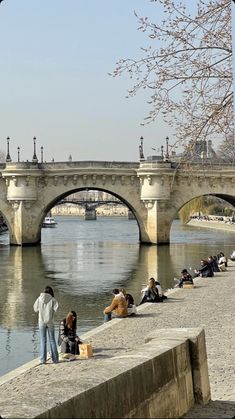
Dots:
(83, 261)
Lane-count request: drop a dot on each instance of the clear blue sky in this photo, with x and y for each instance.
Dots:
(54, 84)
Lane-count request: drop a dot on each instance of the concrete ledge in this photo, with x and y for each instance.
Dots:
(198, 356)
(153, 382)
(85, 337)
(157, 380)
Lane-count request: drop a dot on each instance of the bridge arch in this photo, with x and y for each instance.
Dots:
(179, 204)
(131, 203)
(230, 199)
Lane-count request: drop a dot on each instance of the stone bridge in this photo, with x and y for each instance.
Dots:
(153, 191)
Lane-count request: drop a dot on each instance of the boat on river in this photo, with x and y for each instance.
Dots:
(49, 222)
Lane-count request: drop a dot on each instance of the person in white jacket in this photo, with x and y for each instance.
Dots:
(46, 305)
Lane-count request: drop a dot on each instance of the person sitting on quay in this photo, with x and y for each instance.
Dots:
(214, 264)
(186, 278)
(150, 293)
(131, 307)
(205, 271)
(232, 256)
(159, 288)
(222, 262)
(68, 338)
(117, 308)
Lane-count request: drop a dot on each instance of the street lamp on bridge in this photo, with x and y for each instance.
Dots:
(167, 149)
(8, 157)
(34, 159)
(141, 148)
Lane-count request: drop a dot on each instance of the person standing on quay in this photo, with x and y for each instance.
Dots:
(46, 305)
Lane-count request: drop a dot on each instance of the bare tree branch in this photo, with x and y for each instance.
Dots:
(187, 69)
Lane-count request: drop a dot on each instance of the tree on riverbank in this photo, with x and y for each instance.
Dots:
(226, 150)
(205, 205)
(187, 69)
(2, 156)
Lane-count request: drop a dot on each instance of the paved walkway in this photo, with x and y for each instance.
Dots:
(210, 305)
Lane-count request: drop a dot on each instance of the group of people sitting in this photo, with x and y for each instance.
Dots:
(213, 264)
(152, 293)
(208, 266)
(123, 305)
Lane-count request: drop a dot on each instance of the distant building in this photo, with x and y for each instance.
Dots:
(200, 150)
(195, 151)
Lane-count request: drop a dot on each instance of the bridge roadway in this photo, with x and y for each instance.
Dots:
(90, 203)
(153, 191)
(209, 305)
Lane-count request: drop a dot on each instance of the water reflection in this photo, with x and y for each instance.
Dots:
(83, 262)
(21, 274)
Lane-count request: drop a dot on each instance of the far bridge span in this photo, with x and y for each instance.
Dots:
(153, 191)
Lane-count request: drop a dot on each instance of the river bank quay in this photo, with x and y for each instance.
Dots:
(210, 305)
(217, 225)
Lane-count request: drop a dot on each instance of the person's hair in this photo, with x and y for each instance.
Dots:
(184, 271)
(152, 286)
(152, 283)
(122, 290)
(71, 320)
(115, 291)
(49, 290)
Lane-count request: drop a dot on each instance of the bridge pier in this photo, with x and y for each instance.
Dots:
(90, 214)
(159, 221)
(156, 195)
(24, 229)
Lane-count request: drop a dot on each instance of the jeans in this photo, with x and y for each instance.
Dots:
(43, 329)
(70, 347)
(107, 317)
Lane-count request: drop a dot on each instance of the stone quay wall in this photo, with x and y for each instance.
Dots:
(125, 347)
(164, 378)
(216, 225)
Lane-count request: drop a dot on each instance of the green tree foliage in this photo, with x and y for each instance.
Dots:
(195, 206)
(205, 205)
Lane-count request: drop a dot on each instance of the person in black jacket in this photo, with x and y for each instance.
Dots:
(150, 293)
(213, 262)
(186, 278)
(68, 338)
(205, 271)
